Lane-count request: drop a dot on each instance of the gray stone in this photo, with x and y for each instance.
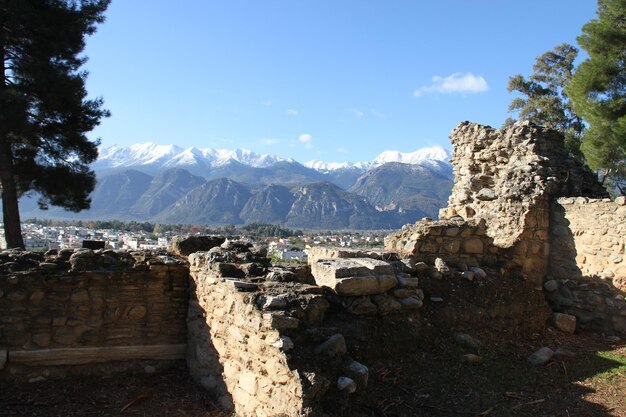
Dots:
(346, 384)
(436, 299)
(540, 357)
(551, 285)
(620, 201)
(354, 276)
(149, 369)
(564, 322)
(358, 372)
(486, 194)
(333, 346)
(479, 272)
(4, 356)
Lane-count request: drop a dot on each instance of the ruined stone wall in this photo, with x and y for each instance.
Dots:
(54, 317)
(271, 340)
(508, 178)
(236, 348)
(587, 276)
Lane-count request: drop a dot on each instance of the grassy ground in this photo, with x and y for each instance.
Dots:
(425, 382)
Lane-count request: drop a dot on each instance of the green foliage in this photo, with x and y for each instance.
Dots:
(544, 100)
(269, 230)
(598, 91)
(45, 110)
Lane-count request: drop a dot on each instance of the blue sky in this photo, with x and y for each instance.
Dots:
(316, 79)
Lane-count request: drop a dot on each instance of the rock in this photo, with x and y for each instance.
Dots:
(468, 341)
(564, 322)
(486, 194)
(184, 246)
(283, 343)
(354, 276)
(4, 356)
(612, 338)
(540, 357)
(471, 359)
(436, 299)
(479, 272)
(358, 372)
(551, 285)
(36, 379)
(333, 346)
(620, 201)
(149, 369)
(441, 266)
(346, 384)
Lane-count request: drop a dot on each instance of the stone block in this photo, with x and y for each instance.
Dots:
(564, 322)
(355, 276)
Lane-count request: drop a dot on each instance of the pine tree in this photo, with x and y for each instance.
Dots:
(544, 100)
(45, 113)
(598, 91)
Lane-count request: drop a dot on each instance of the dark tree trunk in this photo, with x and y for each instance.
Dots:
(10, 208)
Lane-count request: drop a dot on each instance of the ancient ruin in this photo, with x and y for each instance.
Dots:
(528, 235)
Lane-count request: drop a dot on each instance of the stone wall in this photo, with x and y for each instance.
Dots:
(59, 312)
(508, 177)
(587, 276)
(273, 340)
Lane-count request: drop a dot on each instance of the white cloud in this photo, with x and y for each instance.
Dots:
(356, 112)
(267, 102)
(458, 82)
(291, 112)
(342, 150)
(378, 114)
(306, 139)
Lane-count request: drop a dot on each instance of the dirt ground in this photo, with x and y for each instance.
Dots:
(426, 382)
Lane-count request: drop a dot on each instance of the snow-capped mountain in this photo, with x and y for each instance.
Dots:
(151, 158)
(423, 156)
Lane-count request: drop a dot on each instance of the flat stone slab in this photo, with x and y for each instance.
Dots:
(353, 277)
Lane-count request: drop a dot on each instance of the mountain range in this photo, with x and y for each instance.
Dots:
(170, 184)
